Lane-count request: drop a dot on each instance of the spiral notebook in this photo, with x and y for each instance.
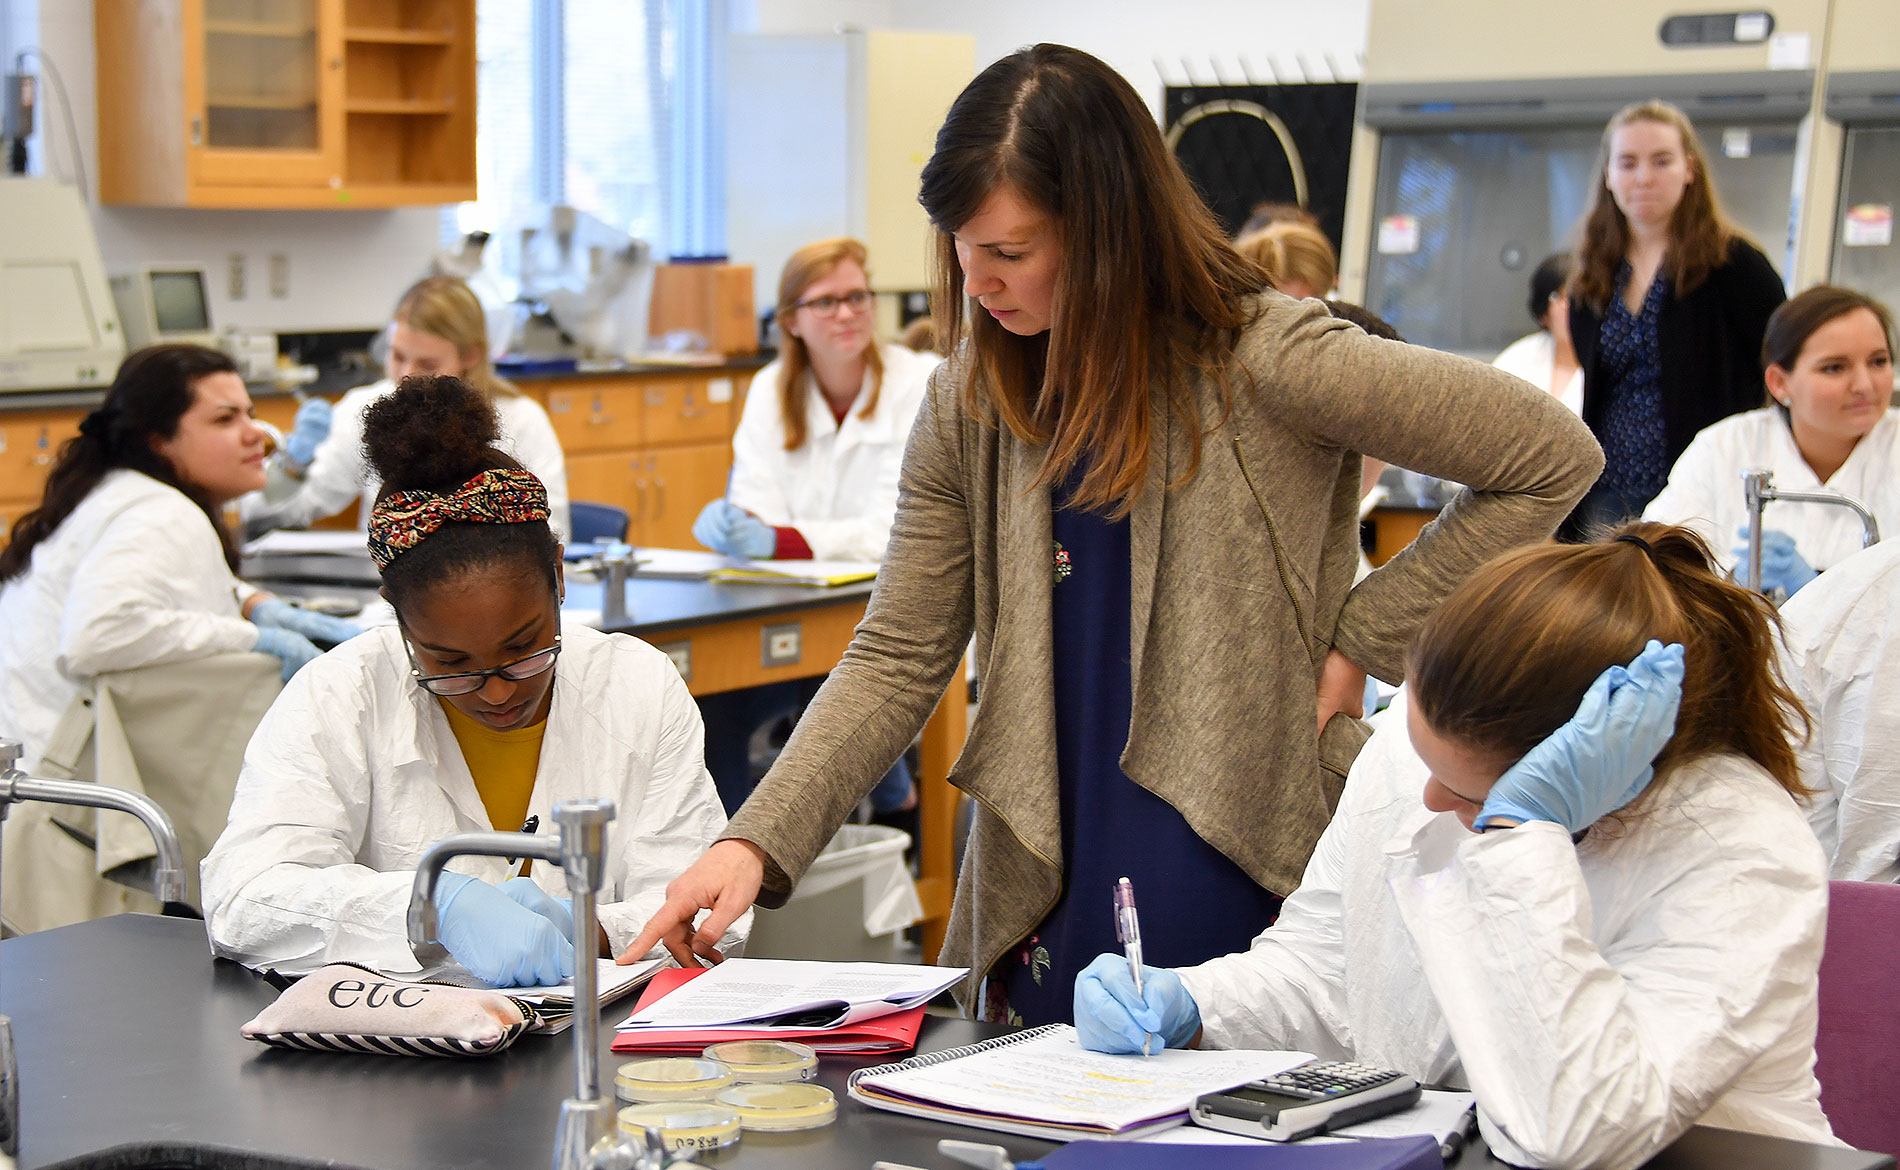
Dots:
(1042, 1083)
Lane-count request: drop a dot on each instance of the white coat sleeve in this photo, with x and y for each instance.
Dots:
(1579, 1059)
(865, 536)
(666, 820)
(1691, 498)
(758, 454)
(282, 887)
(127, 607)
(333, 480)
(538, 449)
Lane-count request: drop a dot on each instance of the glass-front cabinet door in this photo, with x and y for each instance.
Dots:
(1866, 256)
(263, 91)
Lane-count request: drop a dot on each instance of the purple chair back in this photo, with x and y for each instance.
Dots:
(1857, 1050)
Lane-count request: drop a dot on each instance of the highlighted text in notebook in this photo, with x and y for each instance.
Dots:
(1128, 930)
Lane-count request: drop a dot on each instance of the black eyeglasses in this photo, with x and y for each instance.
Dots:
(469, 681)
(828, 306)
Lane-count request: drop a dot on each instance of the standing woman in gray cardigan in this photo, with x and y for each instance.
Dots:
(1135, 480)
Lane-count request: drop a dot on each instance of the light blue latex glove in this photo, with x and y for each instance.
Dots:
(1110, 1017)
(522, 891)
(499, 939)
(1600, 760)
(289, 645)
(726, 528)
(1782, 565)
(311, 428)
(318, 627)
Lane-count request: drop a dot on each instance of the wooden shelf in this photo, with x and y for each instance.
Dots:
(398, 36)
(259, 101)
(398, 106)
(257, 28)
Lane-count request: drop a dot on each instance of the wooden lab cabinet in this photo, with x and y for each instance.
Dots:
(658, 445)
(286, 103)
(29, 441)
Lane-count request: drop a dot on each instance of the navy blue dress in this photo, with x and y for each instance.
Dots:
(1195, 903)
(1635, 450)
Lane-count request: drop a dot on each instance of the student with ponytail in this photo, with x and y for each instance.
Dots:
(127, 563)
(480, 709)
(1583, 887)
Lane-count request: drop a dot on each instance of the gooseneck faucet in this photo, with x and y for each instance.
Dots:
(1758, 488)
(585, 1139)
(168, 881)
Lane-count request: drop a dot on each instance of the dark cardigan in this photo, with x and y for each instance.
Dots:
(1711, 348)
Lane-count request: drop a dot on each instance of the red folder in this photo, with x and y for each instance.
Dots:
(893, 1033)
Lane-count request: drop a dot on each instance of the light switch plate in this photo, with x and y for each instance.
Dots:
(780, 645)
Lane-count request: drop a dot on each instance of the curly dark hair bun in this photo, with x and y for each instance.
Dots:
(433, 433)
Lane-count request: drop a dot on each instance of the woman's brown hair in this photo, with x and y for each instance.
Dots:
(1149, 290)
(1700, 235)
(1506, 659)
(807, 266)
(1799, 316)
(443, 306)
(151, 392)
(1293, 251)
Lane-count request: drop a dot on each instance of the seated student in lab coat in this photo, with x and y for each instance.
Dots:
(1828, 354)
(1581, 887)
(439, 328)
(1546, 359)
(1842, 659)
(814, 469)
(480, 709)
(127, 563)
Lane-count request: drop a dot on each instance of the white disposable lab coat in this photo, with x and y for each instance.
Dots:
(1598, 998)
(134, 576)
(338, 473)
(1843, 661)
(1533, 359)
(354, 773)
(839, 488)
(1705, 486)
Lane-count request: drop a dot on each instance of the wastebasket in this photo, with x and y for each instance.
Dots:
(853, 904)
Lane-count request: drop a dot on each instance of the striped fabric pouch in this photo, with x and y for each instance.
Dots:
(342, 1008)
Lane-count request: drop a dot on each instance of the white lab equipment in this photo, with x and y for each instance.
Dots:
(1598, 997)
(586, 288)
(164, 304)
(58, 325)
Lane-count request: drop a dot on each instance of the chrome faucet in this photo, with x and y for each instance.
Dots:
(1758, 488)
(168, 882)
(586, 1138)
(615, 563)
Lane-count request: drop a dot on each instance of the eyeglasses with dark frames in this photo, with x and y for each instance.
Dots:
(467, 682)
(827, 306)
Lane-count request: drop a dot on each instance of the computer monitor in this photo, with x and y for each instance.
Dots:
(164, 304)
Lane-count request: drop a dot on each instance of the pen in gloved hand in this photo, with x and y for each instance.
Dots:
(1128, 930)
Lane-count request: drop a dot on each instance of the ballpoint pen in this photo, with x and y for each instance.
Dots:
(1128, 929)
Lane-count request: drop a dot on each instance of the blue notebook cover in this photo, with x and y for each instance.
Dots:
(1410, 1153)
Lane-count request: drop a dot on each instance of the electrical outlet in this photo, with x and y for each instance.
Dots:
(234, 277)
(279, 275)
(780, 645)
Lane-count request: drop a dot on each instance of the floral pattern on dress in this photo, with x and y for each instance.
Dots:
(1063, 565)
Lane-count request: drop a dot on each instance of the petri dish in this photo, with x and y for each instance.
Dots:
(764, 1062)
(684, 1125)
(780, 1108)
(672, 1078)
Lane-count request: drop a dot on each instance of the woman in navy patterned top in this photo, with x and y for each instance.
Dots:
(1667, 307)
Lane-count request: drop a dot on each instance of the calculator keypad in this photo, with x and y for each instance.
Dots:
(1323, 1079)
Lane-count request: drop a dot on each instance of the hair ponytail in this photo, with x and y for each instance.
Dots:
(1507, 658)
(152, 390)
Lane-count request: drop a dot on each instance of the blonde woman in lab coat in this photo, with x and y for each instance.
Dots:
(439, 328)
(1582, 887)
(481, 709)
(815, 462)
(1830, 425)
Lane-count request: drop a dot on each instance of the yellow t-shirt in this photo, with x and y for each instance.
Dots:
(502, 762)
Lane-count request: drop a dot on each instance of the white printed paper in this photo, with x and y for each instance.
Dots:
(1867, 225)
(740, 991)
(1789, 50)
(1398, 235)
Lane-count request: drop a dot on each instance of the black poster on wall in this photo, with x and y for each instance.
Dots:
(1249, 144)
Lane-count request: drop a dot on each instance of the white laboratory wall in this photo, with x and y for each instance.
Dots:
(346, 268)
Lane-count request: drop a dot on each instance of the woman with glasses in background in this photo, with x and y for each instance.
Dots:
(814, 468)
(479, 710)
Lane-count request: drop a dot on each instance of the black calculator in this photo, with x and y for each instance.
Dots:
(1306, 1099)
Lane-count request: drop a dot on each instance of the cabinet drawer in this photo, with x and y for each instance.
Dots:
(680, 410)
(29, 442)
(596, 416)
(679, 482)
(618, 478)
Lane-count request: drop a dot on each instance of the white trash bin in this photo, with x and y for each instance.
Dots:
(853, 904)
